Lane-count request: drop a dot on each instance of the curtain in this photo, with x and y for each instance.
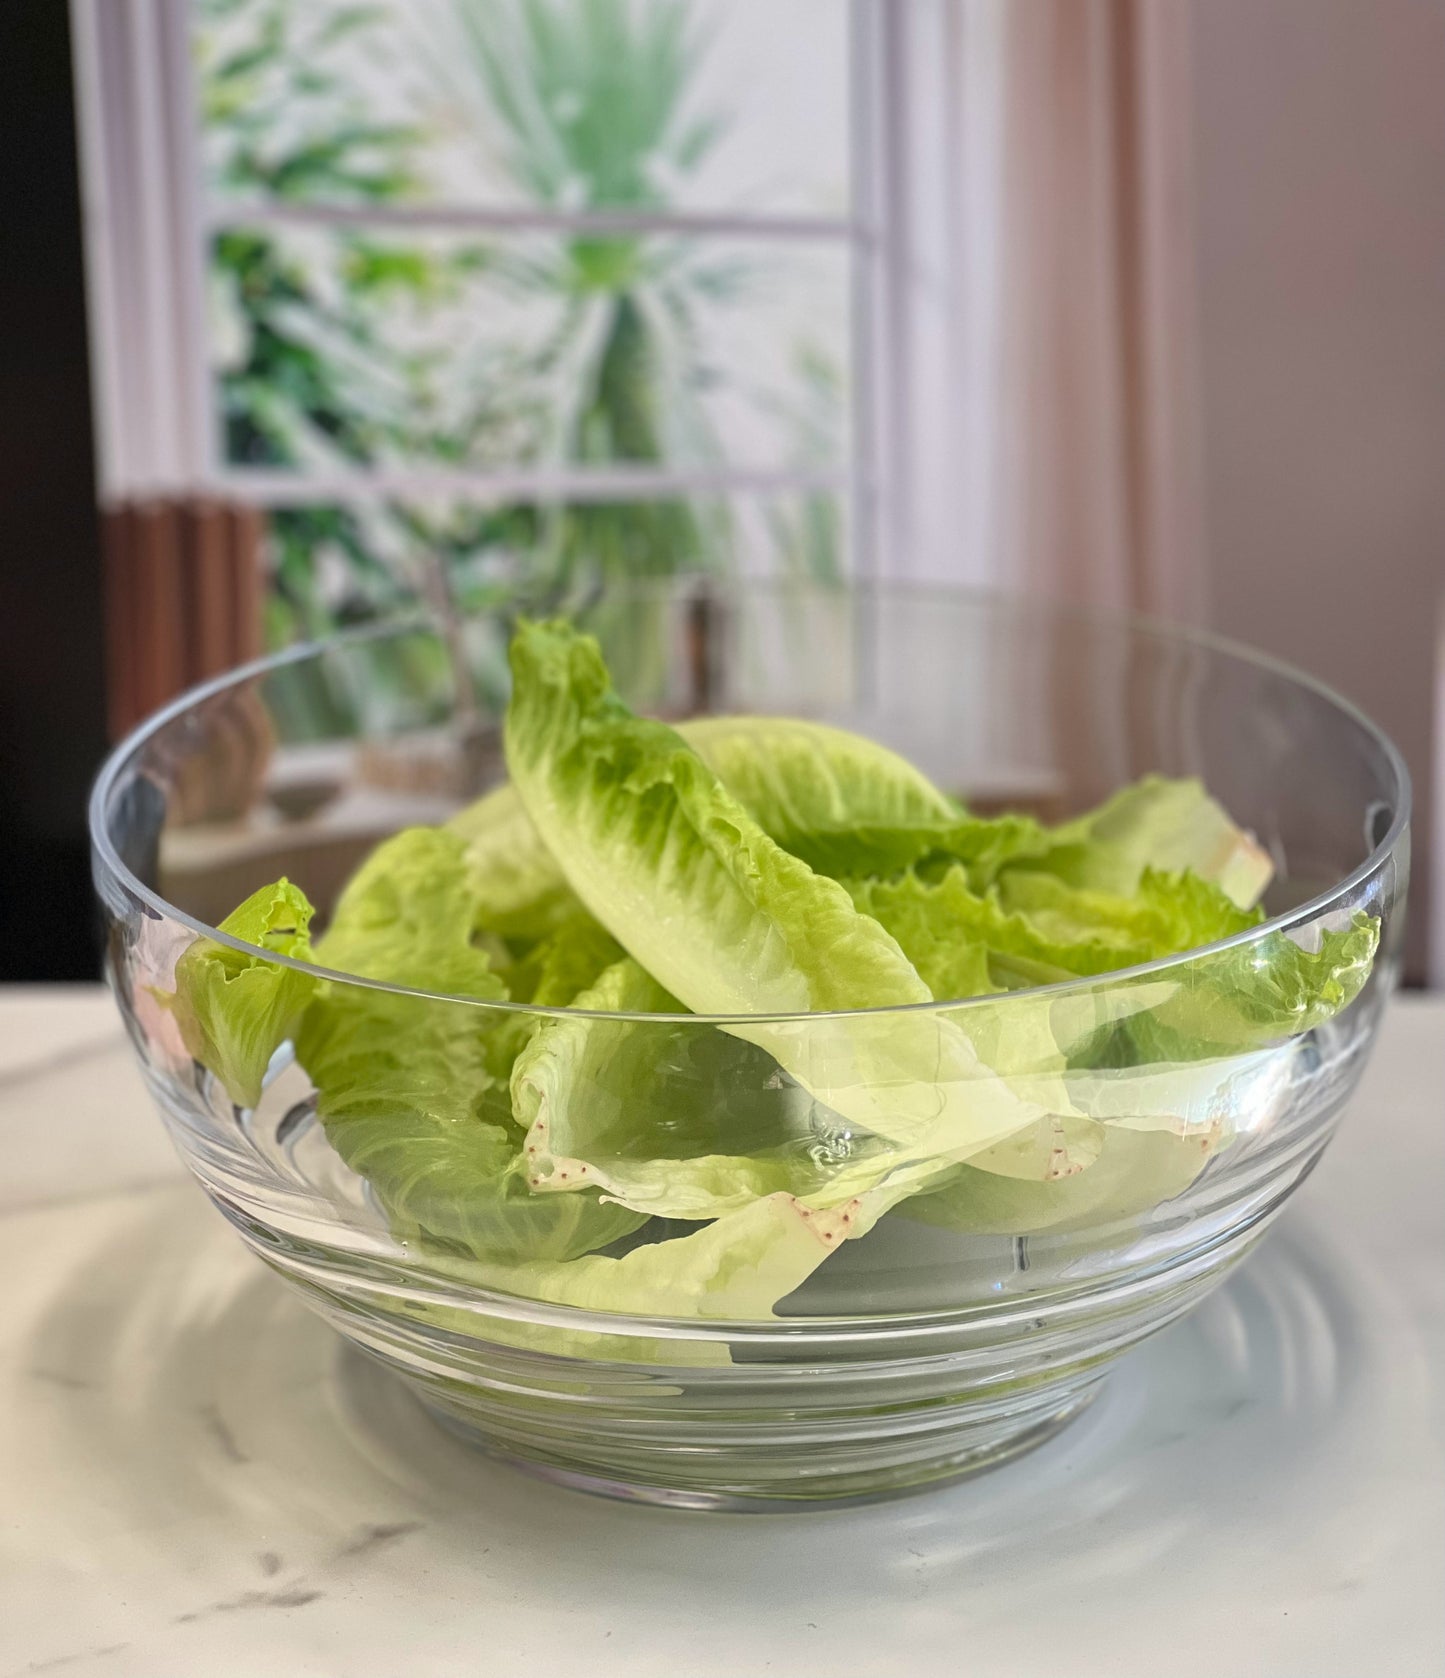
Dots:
(1099, 497)
(183, 594)
(1041, 214)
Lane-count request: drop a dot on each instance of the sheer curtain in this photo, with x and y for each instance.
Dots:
(1050, 439)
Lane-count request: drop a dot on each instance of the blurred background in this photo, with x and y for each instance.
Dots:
(315, 311)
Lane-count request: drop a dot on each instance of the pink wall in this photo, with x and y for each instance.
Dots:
(1321, 181)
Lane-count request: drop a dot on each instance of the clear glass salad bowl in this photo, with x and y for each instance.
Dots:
(976, 1315)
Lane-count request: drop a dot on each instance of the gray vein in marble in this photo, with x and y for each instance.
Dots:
(368, 1539)
(60, 1378)
(377, 1537)
(291, 1596)
(220, 1430)
(57, 1661)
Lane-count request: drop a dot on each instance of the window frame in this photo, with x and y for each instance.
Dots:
(149, 222)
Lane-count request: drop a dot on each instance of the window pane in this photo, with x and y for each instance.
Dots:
(334, 348)
(721, 105)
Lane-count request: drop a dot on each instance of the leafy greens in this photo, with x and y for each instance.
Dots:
(514, 1068)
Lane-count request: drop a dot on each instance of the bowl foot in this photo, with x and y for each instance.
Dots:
(824, 1477)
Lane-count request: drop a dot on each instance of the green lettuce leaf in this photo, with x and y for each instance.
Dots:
(672, 1117)
(1169, 826)
(404, 1087)
(234, 1009)
(568, 961)
(1121, 1141)
(1033, 929)
(1166, 915)
(670, 862)
(1268, 991)
(401, 1092)
(519, 891)
(405, 918)
(842, 803)
(1130, 1173)
(736, 1269)
(1046, 1045)
(726, 920)
(552, 974)
(838, 801)
(944, 928)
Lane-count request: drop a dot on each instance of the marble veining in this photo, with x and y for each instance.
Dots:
(376, 1537)
(55, 1663)
(291, 1596)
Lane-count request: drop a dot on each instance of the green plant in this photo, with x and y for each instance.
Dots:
(581, 105)
(302, 374)
(590, 106)
(583, 108)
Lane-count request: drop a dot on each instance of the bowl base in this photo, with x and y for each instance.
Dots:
(742, 1488)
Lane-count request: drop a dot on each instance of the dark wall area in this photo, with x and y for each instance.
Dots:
(52, 732)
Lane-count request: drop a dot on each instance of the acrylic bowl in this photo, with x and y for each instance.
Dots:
(925, 1350)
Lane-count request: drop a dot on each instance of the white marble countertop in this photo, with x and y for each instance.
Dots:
(196, 1478)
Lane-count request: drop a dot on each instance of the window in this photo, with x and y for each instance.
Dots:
(496, 297)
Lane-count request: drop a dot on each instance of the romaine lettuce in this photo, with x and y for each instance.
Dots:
(1031, 928)
(644, 1112)
(840, 802)
(1130, 1171)
(735, 1269)
(519, 891)
(764, 870)
(726, 920)
(1169, 826)
(1231, 1001)
(235, 1010)
(402, 1082)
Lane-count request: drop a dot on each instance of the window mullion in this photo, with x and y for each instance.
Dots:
(221, 214)
(271, 488)
(864, 132)
(190, 246)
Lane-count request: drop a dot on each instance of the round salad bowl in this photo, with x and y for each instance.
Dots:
(757, 1256)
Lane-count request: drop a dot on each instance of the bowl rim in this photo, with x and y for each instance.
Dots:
(993, 600)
